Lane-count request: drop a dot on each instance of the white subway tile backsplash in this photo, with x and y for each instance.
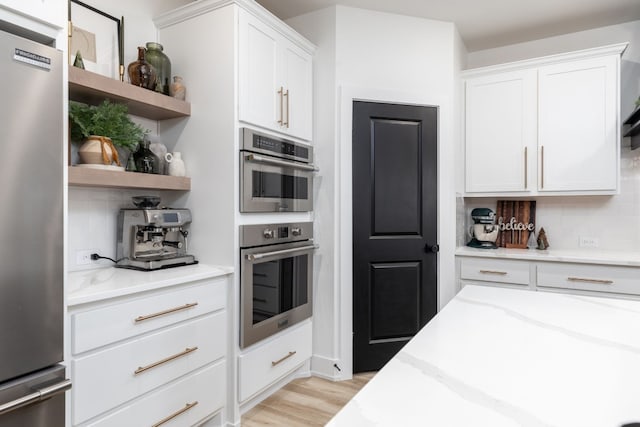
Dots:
(613, 220)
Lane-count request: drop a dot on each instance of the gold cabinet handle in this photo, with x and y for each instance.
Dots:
(164, 312)
(500, 273)
(287, 122)
(142, 369)
(542, 167)
(175, 414)
(526, 171)
(281, 93)
(587, 280)
(279, 361)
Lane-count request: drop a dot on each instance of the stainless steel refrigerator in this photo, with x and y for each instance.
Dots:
(32, 382)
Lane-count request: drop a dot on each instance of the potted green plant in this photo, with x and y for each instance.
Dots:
(101, 128)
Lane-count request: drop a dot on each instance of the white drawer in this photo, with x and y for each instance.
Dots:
(598, 278)
(107, 378)
(95, 328)
(494, 270)
(206, 387)
(266, 363)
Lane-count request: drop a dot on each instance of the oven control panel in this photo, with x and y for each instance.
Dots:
(267, 234)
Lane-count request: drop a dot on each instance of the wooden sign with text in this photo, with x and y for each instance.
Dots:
(516, 221)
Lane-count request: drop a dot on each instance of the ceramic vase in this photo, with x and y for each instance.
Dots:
(177, 88)
(176, 164)
(141, 73)
(98, 150)
(161, 63)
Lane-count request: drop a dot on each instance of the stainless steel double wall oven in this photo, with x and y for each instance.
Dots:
(276, 260)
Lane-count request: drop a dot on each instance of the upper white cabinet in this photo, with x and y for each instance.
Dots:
(275, 84)
(53, 12)
(578, 125)
(498, 156)
(544, 127)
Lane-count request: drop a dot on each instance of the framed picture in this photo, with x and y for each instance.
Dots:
(97, 37)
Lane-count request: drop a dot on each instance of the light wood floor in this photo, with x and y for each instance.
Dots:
(305, 402)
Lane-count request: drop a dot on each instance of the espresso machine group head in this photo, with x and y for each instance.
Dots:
(152, 238)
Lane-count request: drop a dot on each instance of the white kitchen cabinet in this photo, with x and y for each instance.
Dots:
(590, 278)
(275, 85)
(578, 125)
(52, 12)
(264, 363)
(547, 126)
(499, 272)
(500, 115)
(149, 356)
(542, 271)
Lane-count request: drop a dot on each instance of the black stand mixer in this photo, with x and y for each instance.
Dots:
(484, 231)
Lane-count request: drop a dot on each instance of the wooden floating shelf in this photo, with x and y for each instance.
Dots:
(84, 177)
(92, 88)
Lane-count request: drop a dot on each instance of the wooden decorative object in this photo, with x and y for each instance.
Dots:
(516, 220)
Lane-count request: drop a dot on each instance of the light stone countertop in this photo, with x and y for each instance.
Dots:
(506, 357)
(622, 258)
(100, 284)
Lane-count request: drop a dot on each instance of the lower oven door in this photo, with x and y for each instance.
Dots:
(276, 289)
(270, 184)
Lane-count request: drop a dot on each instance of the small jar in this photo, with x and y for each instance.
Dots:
(162, 64)
(177, 88)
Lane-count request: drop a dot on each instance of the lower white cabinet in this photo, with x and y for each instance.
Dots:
(592, 278)
(170, 366)
(558, 276)
(265, 363)
(187, 401)
(495, 271)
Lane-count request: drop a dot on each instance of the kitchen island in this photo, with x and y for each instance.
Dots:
(506, 357)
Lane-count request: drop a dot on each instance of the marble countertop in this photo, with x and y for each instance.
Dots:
(623, 258)
(506, 357)
(104, 283)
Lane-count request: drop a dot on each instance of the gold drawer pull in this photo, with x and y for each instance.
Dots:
(501, 273)
(598, 281)
(277, 362)
(142, 369)
(162, 313)
(175, 414)
(526, 171)
(287, 122)
(281, 93)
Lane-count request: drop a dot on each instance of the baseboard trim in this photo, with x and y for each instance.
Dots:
(324, 367)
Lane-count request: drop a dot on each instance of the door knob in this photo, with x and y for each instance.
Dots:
(432, 248)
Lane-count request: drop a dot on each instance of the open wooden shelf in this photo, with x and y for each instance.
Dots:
(92, 88)
(83, 177)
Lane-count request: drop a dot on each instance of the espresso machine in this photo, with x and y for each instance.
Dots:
(152, 238)
(484, 231)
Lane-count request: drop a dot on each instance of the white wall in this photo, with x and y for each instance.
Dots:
(92, 212)
(375, 56)
(613, 220)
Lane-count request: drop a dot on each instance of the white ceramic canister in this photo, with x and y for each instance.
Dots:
(176, 164)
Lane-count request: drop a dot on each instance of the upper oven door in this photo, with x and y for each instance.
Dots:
(270, 184)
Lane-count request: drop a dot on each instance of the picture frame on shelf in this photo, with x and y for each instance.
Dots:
(98, 37)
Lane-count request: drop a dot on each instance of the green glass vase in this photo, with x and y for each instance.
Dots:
(162, 64)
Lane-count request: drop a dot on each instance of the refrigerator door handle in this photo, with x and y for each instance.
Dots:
(36, 396)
